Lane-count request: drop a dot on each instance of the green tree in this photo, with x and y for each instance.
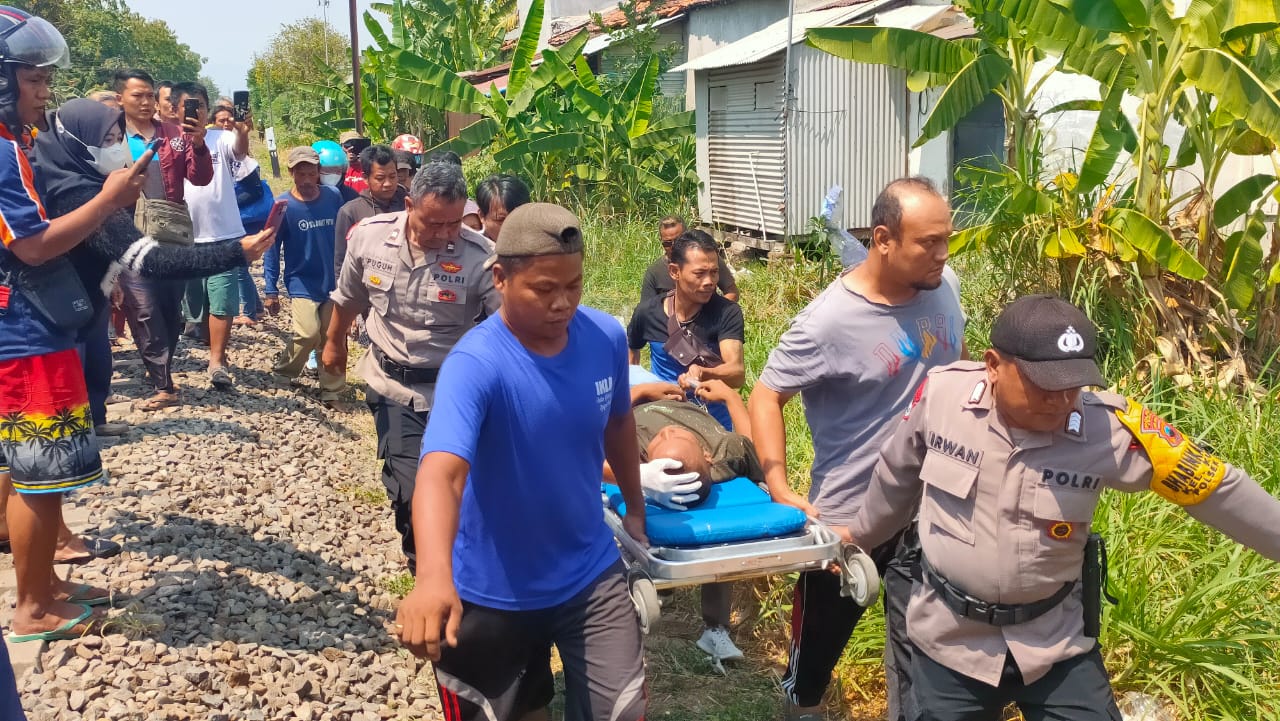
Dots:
(557, 128)
(282, 78)
(105, 36)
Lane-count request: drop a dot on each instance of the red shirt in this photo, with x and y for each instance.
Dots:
(355, 178)
(180, 160)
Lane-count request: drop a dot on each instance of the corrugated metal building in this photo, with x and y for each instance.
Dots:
(766, 171)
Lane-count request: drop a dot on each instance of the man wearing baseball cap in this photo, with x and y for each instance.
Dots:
(1005, 461)
(305, 248)
(354, 143)
(513, 552)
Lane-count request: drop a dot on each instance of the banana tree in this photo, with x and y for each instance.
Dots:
(1001, 61)
(1180, 68)
(554, 125)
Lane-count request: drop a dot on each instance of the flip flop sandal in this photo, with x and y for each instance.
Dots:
(78, 596)
(221, 379)
(65, 632)
(157, 402)
(98, 548)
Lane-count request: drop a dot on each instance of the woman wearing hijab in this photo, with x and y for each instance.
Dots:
(84, 143)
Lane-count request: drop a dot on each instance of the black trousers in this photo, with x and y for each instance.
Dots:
(400, 431)
(822, 621)
(153, 309)
(94, 348)
(1076, 689)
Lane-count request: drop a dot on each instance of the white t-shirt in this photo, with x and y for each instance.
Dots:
(214, 213)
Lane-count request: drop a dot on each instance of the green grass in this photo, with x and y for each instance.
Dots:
(400, 584)
(1198, 622)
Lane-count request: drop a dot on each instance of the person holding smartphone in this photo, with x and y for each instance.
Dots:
(40, 373)
(214, 302)
(153, 306)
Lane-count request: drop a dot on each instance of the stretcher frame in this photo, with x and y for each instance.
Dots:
(658, 568)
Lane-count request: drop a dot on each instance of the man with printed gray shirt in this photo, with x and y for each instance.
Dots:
(856, 355)
(420, 275)
(1006, 460)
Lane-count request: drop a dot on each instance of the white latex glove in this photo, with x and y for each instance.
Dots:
(670, 490)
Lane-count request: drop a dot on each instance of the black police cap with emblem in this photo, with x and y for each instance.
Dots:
(1052, 342)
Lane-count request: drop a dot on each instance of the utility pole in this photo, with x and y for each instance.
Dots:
(355, 70)
(324, 9)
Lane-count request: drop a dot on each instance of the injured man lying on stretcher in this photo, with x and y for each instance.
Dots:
(678, 438)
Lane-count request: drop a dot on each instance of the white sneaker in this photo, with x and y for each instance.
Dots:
(716, 643)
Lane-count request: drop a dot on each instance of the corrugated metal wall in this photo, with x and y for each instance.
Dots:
(745, 145)
(615, 58)
(849, 128)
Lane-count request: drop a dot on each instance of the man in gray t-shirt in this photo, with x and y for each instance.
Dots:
(857, 355)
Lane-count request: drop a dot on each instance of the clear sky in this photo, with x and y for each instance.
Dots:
(228, 33)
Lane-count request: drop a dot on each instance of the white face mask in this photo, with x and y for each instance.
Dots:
(112, 157)
(330, 178)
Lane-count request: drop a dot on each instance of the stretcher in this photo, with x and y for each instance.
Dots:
(737, 533)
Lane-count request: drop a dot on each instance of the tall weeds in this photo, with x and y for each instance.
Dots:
(1197, 621)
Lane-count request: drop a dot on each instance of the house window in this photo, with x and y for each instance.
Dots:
(719, 100)
(766, 95)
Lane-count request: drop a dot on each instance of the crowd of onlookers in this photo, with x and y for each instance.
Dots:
(140, 207)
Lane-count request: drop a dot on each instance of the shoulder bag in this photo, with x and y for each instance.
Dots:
(683, 345)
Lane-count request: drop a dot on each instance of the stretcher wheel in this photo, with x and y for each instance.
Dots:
(859, 577)
(645, 597)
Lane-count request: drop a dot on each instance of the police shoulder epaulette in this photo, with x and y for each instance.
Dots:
(480, 240)
(1115, 401)
(384, 219)
(963, 366)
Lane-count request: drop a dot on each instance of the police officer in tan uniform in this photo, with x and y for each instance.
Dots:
(420, 273)
(1007, 459)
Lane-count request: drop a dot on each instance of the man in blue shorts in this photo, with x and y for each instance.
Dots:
(513, 552)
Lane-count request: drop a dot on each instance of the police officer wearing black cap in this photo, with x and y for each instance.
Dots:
(1006, 460)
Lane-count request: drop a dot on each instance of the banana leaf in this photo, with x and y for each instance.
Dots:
(909, 50)
(1154, 242)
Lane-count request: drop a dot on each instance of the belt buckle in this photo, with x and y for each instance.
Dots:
(978, 609)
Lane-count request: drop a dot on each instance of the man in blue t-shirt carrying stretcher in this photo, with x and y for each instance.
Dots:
(513, 552)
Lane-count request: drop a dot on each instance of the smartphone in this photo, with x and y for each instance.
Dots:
(240, 105)
(144, 161)
(191, 108)
(276, 216)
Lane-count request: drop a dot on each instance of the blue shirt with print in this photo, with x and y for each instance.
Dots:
(306, 243)
(24, 332)
(531, 531)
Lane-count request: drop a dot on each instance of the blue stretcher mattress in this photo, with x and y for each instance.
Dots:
(736, 510)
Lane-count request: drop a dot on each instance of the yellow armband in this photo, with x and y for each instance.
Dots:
(1183, 473)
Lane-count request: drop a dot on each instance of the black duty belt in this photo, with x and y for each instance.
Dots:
(995, 614)
(404, 374)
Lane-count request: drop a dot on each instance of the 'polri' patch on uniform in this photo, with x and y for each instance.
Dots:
(1183, 472)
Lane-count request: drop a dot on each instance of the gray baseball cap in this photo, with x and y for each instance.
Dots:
(538, 229)
(1052, 342)
(302, 154)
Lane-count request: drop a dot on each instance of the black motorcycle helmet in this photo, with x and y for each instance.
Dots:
(25, 40)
